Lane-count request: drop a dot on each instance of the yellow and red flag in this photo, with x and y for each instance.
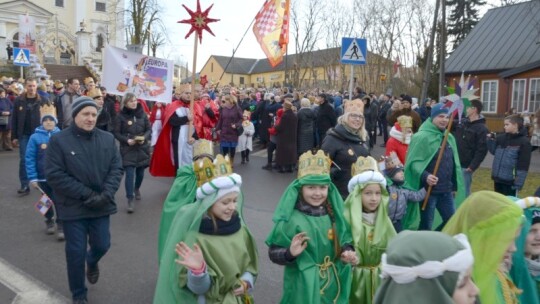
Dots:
(272, 29)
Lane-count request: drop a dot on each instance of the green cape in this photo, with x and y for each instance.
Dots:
(304, 272)
(183, 191)
(490, 220)
(413, 248)
(369, 241)
(185, 227)
(520, 272)
(423, 148)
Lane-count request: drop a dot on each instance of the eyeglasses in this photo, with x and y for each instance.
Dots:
(356, 116)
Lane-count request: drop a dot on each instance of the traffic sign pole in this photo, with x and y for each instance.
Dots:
(22, 72)
(351, 80)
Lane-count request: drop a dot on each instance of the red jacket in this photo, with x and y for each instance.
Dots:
(395, 143)
(203, 122)
(272, 130)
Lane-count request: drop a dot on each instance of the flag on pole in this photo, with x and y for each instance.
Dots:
(460, 96)
(272, 29)
(397, 65)
(44, 204)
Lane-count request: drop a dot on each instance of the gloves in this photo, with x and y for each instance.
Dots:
(96, 200)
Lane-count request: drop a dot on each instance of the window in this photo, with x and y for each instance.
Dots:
(489, 95)
(534, 95)
(518, 95)
(241, 80)
(59, 3)
(212, 67)
(100, 6)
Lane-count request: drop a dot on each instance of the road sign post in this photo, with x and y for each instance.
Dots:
(21, 57)
(353, 52)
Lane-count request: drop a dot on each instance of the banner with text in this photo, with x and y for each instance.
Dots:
(148, 78)
(27, 33)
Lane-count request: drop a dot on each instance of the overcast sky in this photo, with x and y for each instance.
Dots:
(235, 17)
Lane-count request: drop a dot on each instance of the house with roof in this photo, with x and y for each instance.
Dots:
(502, 52)
(321, 68)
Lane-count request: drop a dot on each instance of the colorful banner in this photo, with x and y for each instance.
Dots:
(271, 29)
(149, 78)
(27, 33)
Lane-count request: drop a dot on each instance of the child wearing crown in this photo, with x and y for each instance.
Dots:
(398, 195)
(209, 256)
(366, 212)
(311, 238)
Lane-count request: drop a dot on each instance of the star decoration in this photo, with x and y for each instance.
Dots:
(199, 20)
(460, 96)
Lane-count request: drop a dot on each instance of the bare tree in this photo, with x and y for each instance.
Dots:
(143, 15)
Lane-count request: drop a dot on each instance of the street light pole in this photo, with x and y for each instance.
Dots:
(232, 58)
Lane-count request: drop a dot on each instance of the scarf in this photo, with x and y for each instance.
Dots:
(221, 227)
(533, 266)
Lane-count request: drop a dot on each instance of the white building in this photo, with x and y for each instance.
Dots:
(61, 25)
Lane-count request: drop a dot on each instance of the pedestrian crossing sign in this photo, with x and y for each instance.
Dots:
(21, 57)
(353, 51)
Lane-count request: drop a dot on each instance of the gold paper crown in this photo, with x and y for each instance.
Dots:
(313, 164)
(206, 170)
(47, 110)
(203, 148)
(355, 105)
(58, 84)
(392, 161)
(95, 92)
(363, 164)
(405, 121)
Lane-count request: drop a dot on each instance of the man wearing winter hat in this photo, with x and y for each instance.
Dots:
(406, 109)
(84, 169)
(419, 169)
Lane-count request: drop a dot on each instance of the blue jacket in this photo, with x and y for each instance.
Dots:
(35, 153)
(512, 158)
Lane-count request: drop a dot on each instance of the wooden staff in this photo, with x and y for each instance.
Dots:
(192, 98)
(439, 157)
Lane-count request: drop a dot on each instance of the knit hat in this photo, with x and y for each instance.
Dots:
(438, 109)
(81, 103)
(49, 116)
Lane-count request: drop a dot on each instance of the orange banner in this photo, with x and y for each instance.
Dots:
(272, 29)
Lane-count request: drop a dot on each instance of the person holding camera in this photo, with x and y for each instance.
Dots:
(133, 130)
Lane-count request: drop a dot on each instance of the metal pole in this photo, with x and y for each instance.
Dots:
(429, 60)
(22, 71)
(351, 82)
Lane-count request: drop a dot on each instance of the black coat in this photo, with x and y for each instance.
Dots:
(129, 124)
(344, 149)
(471, 140)
(326, 119)
(370, 116)
(79, 163)
(107, 117)
(21, 108)
(306, 129)
(286, 139)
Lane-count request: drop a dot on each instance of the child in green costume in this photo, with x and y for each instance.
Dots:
(311, 238)
(371, 228)
(491, 221)
(210, 256)
(427, 267)
(525, 270)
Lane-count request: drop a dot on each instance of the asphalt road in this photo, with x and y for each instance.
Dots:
(129, 270)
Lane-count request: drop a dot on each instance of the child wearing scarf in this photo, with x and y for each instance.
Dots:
(210, 255)
(425, 267)
(311, 238)
(371, 228)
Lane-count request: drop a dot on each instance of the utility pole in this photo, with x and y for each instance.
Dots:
(429, 60)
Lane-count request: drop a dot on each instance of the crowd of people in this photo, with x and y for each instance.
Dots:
(338, 227)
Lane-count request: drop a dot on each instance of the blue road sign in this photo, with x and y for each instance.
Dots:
(353, 51)
(21, 57)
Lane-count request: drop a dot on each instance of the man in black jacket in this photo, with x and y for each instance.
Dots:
(326, 116)
(84, 170)
(471, 140)
(26, 118)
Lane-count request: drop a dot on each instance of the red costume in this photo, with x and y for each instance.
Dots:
(398, 142)
(204, 123)
(162, 163)
(152, 117)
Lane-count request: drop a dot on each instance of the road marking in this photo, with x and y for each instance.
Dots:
(28, 289)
